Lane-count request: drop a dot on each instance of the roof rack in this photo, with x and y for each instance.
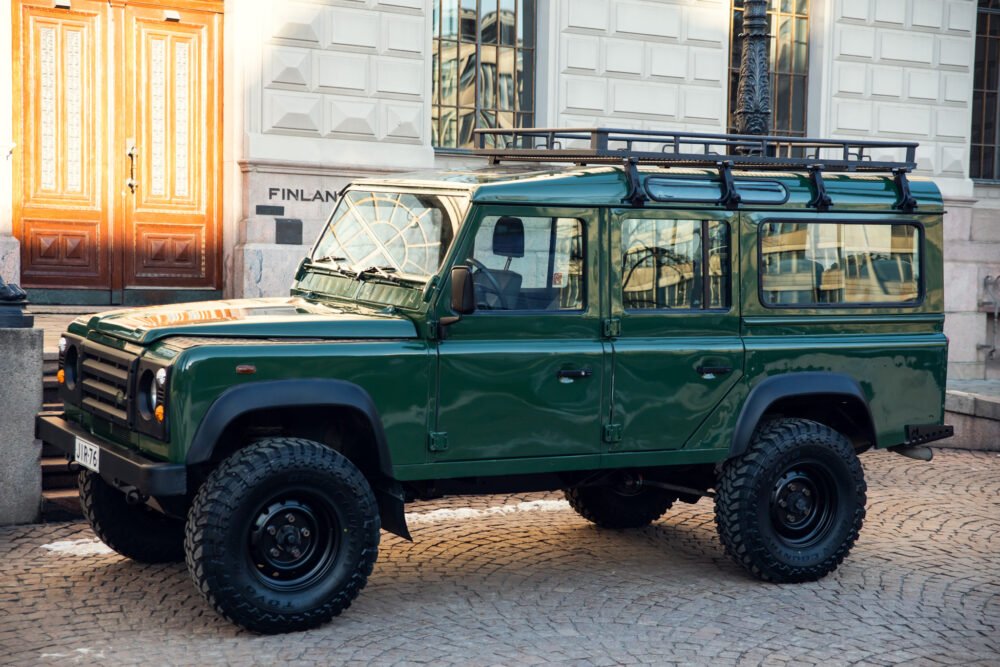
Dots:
(690, 149)
(724, 152)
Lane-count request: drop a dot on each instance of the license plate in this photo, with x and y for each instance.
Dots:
(88, 455)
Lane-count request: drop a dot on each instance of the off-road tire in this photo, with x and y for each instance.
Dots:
(610, 508)
(135, 531)
(259, 487)
(761, 536)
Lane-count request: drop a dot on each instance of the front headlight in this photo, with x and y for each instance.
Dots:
(149, 405)
(147, 399)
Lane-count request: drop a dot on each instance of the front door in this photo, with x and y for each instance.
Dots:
(117, 189)
(679, 349)
(524, 376)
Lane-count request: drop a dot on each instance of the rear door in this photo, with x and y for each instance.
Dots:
(678, 349)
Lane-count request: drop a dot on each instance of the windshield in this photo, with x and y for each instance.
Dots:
(401, 234)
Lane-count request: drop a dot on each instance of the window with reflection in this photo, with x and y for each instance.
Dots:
(789, 65)
(834, 264)
(675, 264)
(483, 68)
(407, 234)
(985, 162)
(528, 264)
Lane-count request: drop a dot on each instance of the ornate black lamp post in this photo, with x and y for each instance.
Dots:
(753, 103)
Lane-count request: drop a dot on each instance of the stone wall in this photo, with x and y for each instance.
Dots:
(901, 70)
(332, 90)
(972, 252)
(20, 400)
(10, 257)
(640, 64)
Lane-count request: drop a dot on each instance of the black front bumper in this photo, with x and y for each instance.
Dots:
(119, 465)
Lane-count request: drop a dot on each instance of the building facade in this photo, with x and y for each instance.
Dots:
(192, 149)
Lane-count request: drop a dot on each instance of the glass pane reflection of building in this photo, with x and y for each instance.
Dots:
(483, 68)
(664, 265)
(823, 263)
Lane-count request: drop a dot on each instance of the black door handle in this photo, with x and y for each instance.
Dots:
(714, 370)
(574, 373)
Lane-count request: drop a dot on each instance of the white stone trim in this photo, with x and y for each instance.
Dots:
(10, 256)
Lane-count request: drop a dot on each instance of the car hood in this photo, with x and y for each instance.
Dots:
(251, 318)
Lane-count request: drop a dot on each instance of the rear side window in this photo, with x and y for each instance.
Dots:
(674, 264)
(810, 264)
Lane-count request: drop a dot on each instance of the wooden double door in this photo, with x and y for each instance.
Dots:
(117, 108)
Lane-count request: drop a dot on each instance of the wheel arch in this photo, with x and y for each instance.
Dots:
(316, 409)
(275, 395)
(833, 399)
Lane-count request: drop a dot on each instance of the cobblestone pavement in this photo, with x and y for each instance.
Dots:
(522, 580)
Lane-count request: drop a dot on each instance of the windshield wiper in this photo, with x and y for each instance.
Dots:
(329, 258)
(381, 272)
(388, 274)
(336, 260)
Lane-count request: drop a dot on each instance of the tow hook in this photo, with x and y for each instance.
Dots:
(918, 452)
(133, 497)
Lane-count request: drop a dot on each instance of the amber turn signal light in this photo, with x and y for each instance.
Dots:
(61, 376)
(159, 413)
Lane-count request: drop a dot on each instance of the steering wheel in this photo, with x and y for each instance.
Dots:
(493, 286)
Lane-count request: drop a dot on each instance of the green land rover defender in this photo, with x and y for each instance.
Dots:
(632, 317)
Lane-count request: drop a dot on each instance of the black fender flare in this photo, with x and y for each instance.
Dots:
(245, 398)
(320, 393)
(777, 387)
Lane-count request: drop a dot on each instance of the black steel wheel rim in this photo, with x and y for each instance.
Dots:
(804, 503)
(294, 540)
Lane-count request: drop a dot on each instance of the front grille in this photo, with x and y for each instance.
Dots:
(104, 381)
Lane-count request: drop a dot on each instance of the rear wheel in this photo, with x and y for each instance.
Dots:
(620, 505)
(791, 508)
(282, 535)
(135, 531)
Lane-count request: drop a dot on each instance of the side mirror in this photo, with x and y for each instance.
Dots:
(463, 293)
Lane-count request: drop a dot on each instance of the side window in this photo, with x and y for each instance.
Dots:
(833, 264)
(675, 264)
(529, 264)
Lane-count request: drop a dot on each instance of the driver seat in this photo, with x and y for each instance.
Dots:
(508, 241)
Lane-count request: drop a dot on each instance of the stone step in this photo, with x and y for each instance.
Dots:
(57, 473)
(50, 392)
(61, 505)
(50, 451)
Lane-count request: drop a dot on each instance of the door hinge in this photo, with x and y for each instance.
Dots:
(612, 327)
(438, 441)
(612, 433)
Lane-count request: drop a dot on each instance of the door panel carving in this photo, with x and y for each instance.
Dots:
(119, 129)
(171, 234)
(60, 201)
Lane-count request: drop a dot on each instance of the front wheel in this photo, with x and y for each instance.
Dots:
(791, 507)
(282, 535)
(134, 530)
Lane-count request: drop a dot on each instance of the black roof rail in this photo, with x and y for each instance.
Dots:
(602, 145)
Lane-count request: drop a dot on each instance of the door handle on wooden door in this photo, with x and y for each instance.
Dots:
(133, 154)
